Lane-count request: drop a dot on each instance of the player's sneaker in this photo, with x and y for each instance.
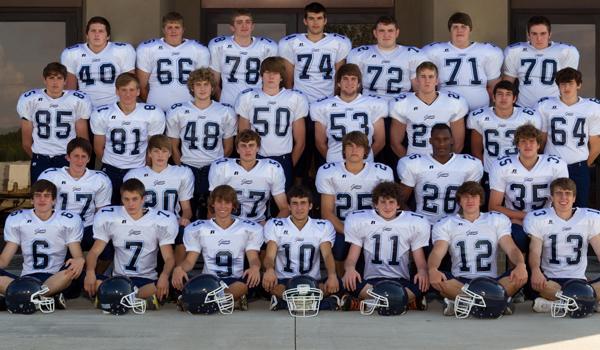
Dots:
(542, 305)
(419, 303)
(59, 302)
(350, 303)
(448, 307)
(241, 304)
(519, 297)
(152, 303)
(277, 304)
(510, 307)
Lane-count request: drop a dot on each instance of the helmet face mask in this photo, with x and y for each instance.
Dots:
(303, 301)
(205, 294)
(368, 306)
(463, 303)
(42, 303)
(223, 300)
(388, 297)
(484, 297)
(576, 299)
(117, 295)
(25, 295)
(130, 301)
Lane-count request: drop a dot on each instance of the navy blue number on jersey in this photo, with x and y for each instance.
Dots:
(431, 192)
(224, 258)
(118, 139)
(391, 260)
(136, 247)
(456, 63)
(86, 198)
(537, 201)
(183, 68)
(325, 66)
(210, 135)
(548, 70)
(282, 121)
(575, 240)
(170, 197)
(43, 121)
(558, 135)
(482, 260)
(40, 259)
(491, 144)
(305, 264)
(252, 69)
(394, 74)
(106, 74)
(338, 129)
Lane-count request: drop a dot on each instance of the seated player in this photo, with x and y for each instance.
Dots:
(223, 241)
(472, 238)
(293, 246)
(346, 186)
(50, 118)
(254, 180)
(137, 234)
(44, 236)
(387, 237)
(520, 183)
(560, 237)
(277, 115)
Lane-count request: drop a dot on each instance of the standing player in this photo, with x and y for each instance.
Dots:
(137, 233)
(387, 237)
(276, 114)
(468, 68)
(293, 244)
(436, 177)
(536, 62)
(573, 127)
(521, 181)
(415, 114)
(472, 238)
(50, 118)
(235, 60)
(560, 237)
(387, 68)
(121, 131)
(94, 66)
(347, 111)
(224, 241)
(44, 236)
(346, 186)
(164, 64)
(254, 180)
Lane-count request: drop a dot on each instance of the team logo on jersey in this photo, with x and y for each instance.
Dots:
(125, 123)
(442, 175)
(387, 229)
(75, 189)
(229, 46)
(133, 232)
(299, 239)
(427, 117)
(567, 228)
(159, 182)
(355, 187)
(246, 181)
(472, 233)
(301, 44)
(528, 179)
(39, 231)
(334, 104)
(373, 56)
(53, 106)
(224, 242)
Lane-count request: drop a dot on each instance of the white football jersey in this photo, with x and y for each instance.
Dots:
(254, 188)
(435, 184)
(298, 251)
(53, 118)
(239, 66)
(82, 196)
(351, 191)
(473, 246)
(419, 117)
(223, 250)
(386, 73)
(565, 243)
(536, 69)
(43, 243)
(127, 134)
(498, 133)
(314, 63)
(137, 242)
(569, 127)
(272, 117)
(97, 72)
(339, 118)
(166, 189)
(524, 189)
(169, 68)
(201, 131)
(466, 71)
(387, 244)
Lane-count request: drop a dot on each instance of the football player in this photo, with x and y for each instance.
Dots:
(293, 246)
(468, 68)
(224, 241)
(94, 66)
(121, 131)
(44, 236)
(573, 127)
(536, 62)
(50, 118)
(347, 111)
(137, 234)
(235, 60)
(472, 238)
(276, 114)
(520, 183)
(387, 237)
(346, 186)
(560, 237)
(415, 114)
(164, 64)
(387, 68)
(435, 177)
(255, 180)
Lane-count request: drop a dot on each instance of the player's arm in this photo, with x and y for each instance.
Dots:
(440, 248)
(405, 192)
(594, 146)
(91, 260)
(351, 276)
(217, 91)
(269, 277)
(186, 212)
(595, 243)
(143, 77)
(71, 83)
(289, 74)
(422, 277)
(519, 273)
(176, 151)
(243, 123)
(340, 64)
(76, 262)
(27, 136)
(299, 135)
(227, 146)
(458, 134)
(509, 78)
(490, 87)
(378, 136)
(538, 280)
(328, 212)
(332, 285)
(477, 144)
(82, 129)
(495, 204)
(252, 274)
(10, 249)
(162, 285)
(99, 144)
(397, 132)
(321, 139)
(180, 272)
(282, 205)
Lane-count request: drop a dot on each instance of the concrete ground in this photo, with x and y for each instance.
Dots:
(82, 327)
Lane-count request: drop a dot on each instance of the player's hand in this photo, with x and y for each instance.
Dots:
(269, 280)
(162, 287)
(75, 266)
(538, 280)
(252, 277)
(519, 275)
(332, 285)
(422, 280)
(89, 283)
(436, 278)
(179, 277)
(184, 221)
(350, 278)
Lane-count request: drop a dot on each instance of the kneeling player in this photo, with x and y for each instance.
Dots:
(223, 242)
(387, 237)
(293, 241)
(137, 234)
(473, 237)
(44, 236)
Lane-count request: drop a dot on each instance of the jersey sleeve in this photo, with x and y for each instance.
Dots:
(156, 125)
(186, 188)
(104, 194)
(167, 228)
(421, 232)
(230, 123)
(405, 173)
(354, 55)
(530, 224)
(502, 224)
(25, 107)
(143, 55)
(242, 105)
(216, 174)
(202, 55)
(127, 57)
(511, 64)
(561, 169)
(172, 123)
(497, 181)
(73, 229)
(255, 239)
(352, 230)
(277, 179)
(67, 58)
(440, 231)
(594, 119)
(416, 59)
(191, 237)
(11, 230)
(270, 231)
(541, 110)
(83, 107)
(285, 49)
(101, 226)
(571, 57)
(318, 114)
(594, 223)
(476, 172)
(493, 63)
(345, 45)
(380, 108)
(462, 109)
(98, 123)
(396, 108)
(215, 50)
(329, 233)
(300, 107)
(324, 180)
(473, 121)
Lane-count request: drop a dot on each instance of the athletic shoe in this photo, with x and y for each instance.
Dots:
(542, 305)
(448, 307)
(59, 302)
